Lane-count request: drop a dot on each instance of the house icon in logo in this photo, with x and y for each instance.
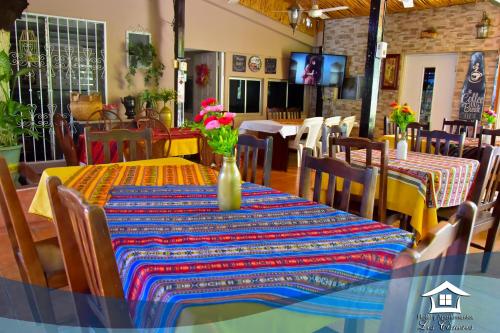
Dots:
(448, 298)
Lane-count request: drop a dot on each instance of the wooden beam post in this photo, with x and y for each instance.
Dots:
(179, 23)
(372, 69)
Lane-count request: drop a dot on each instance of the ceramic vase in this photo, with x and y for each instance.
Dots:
(229, 185)
(166, 116)
(402, 148)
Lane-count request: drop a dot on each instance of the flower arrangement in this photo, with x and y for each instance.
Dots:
(216, 125)
(402, 115)
(490, 116)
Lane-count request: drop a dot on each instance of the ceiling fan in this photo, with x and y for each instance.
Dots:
(314, 12)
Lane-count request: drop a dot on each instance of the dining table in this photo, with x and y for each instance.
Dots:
(182, 261)
(281, 130)
(421, 184)
(183, 141)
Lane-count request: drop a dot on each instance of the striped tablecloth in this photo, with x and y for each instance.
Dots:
(175, 249)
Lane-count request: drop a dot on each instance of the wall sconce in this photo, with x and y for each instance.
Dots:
(294, 15)
(483, 28)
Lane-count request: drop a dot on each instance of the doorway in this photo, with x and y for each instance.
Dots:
(428, 85)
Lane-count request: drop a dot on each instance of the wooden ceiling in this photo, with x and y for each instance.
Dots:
(356, 8)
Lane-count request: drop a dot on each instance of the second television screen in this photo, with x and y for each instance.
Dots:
(317, 69)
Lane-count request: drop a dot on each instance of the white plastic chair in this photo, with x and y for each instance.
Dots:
(311, 126)
(322, 144)
(349, 122)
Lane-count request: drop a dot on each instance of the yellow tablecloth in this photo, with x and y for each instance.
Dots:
(181, 147)
(41, 205)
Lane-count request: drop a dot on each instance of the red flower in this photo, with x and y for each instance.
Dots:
(208, 101)
(198, 118)
(394, 104)
(406, 109)
(225, 121)
(209, 119)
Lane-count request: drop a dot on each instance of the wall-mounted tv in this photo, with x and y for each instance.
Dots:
(317, 69)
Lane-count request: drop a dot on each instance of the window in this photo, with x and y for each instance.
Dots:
(66, 55)
(445, 300)
(244, 95)
(427, 92)
(281, 94)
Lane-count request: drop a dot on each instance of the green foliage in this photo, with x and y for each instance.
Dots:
(166, 95)
(15, 118)
(402, 115)
(222, 140)
(144, 55)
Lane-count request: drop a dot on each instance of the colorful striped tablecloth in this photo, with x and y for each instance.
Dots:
(176, 251)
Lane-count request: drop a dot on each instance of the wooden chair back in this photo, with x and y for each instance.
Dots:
(64, 139)
(329, 132)
(389, 126)
(250, 145)
(120, 136)
(441, 141)
(88, 253)
(276, 113)
(107, 120)
(338, 168)
(18, 231)
(369, 146)
(485, 188)
(469, 127)
(293, 113)
(493, 133)
(412, 133)
(440, 253)
(161, 147)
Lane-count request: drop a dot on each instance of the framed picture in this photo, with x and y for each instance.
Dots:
(254, 63)
(270, 65)
(134, 38)
(390, 72)
(239, 63)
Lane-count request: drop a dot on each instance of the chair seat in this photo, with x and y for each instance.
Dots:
(52, 262)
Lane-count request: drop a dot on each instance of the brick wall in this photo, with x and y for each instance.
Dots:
(456, 27)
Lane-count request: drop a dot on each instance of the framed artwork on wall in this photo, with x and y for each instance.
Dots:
(270, 65)
(135, 38)
(239, 63)
(390, 72)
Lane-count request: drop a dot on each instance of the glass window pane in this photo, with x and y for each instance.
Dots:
(253, 96)
(236, 95)
(427, 92)
(295, 96)
(276, 94)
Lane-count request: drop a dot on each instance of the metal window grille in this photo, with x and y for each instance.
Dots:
(67, 55)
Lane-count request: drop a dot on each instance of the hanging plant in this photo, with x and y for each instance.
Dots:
(144, 57)
(202, 74)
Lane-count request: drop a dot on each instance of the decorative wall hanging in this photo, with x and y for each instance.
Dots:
(202, 74)
(28, 46)
(254, 63)
(270, 65)
(137, 38)
(472, 98)
(239, 63)
(390, 72)
(429, 33)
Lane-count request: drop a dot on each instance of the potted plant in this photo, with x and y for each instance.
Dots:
(402, 115)
(144, 56)
(12, 114)
(490, 117)
(165, 95)
(216, 126)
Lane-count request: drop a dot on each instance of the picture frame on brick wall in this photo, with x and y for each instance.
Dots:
(390, 72)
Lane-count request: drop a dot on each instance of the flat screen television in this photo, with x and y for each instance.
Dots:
(317, 69)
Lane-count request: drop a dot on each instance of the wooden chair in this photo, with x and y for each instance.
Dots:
(40, 263)
(369, 146)
(88, 253)
(338, 168)
(119, 136)
(276, 113)
(249, 144)
(484, 194)
(389, 126)
(158, 146)
(293, 113)
(107, 120)
(64, 139)
(493, 133)
(469, 127)
(440, 253)
(434, 138)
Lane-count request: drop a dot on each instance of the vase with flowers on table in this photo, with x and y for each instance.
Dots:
(215, 125)
(489, 122)
(402, 115)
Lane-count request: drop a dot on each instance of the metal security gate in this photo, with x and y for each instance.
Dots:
(66, 55)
